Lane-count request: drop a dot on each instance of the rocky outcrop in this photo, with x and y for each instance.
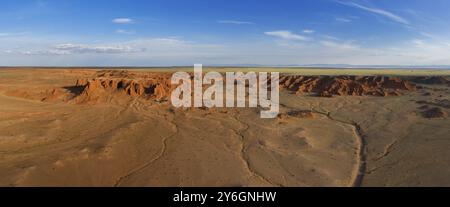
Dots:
(157, 85)
(113, 83)
(431, 80)
(133, 88)
(114, 73)
(434, 113)
(327, 86)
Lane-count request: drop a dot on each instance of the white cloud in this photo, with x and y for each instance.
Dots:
(377, 11)
(427, 52)
(418, 43)
(3, 34)
(342, 19)
(428, 35)
(287, 35)
(138, 52)
(126, 32)
(43, 52)
(337, 45)
(123, 21)
(234, 22)
(81, 48)
(308, 31)
(177, 51)
(36, 52)
(329, 37)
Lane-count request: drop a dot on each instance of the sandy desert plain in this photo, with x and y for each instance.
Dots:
(100, 127)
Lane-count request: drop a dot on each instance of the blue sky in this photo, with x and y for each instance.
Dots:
(223, 32)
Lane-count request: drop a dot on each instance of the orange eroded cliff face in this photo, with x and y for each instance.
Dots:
(150, 86)
(157, 85)
(346, 85)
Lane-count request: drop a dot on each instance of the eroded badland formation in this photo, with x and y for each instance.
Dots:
(72, 127)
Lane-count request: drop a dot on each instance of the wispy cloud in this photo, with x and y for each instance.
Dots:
(342, 19)
(123, 21)
(429, 35)
(234, 22)
(339, 45)
(152, 47)
(346, 19)
(42, 52)
(377, 11)
(78, 48)
(418, 43)
(126, 32)
(329, 37)
(176, 51)
(6, 34)
(308, 31)
(287, 35)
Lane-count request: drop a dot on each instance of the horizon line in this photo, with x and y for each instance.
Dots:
(315, 66)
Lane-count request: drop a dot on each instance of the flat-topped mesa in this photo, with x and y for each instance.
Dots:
(327, 86)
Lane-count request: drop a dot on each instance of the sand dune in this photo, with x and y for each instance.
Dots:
(116, 128)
